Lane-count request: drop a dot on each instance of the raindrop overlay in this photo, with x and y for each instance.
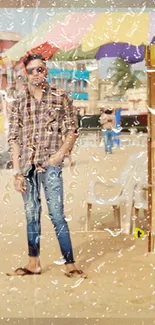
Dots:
(95, 57)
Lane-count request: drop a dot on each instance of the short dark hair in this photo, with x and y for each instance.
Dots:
(108, 111)
(31, 57)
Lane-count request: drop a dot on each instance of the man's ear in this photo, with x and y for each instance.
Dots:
(24, 71)
(47, 71)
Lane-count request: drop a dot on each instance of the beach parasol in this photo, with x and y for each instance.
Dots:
(89, 35)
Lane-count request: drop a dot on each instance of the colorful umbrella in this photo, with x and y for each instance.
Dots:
(130, 53)
(83, 35)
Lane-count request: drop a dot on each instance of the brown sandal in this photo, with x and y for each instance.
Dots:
(76, 274)
(25, 272)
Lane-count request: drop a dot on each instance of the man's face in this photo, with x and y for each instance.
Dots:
(36, 72)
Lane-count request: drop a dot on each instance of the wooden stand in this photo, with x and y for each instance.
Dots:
(150, 62)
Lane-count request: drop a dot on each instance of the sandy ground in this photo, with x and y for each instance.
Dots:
(120, 272)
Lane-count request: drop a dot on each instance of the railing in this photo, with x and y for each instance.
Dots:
(89, 137)
(92, 137)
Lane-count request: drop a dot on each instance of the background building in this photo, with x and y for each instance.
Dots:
(81, 80)
(7, 40)
(73, 80)
(91, 94)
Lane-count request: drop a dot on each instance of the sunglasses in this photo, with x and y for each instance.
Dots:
(31, 70)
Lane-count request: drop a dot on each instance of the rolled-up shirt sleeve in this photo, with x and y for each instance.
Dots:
(13, 111)
(70, 115)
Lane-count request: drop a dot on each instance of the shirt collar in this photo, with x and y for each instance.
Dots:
(45, 88)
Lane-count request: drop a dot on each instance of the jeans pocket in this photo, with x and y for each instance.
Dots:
(55, 170)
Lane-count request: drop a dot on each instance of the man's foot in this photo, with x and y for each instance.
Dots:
(76, 274)
(72, 271)
(21, 271)
(33, 267)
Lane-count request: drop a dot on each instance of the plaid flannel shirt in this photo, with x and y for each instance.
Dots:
(38, 128)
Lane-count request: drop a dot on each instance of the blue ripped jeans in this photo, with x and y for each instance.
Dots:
(52, 183)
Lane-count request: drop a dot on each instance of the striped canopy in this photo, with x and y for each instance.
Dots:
(89, 35)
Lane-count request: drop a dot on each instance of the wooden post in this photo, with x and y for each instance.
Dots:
(150, 62)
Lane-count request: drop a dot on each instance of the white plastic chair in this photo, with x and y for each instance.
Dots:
(140, 192)
(122, 202)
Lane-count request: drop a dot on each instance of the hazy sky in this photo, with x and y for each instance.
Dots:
(23, 21)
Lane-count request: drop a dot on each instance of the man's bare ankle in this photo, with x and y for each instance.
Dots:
(34, 262)
(70, 266)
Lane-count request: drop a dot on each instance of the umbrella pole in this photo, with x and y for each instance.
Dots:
(150, 51)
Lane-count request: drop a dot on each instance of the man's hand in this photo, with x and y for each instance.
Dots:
(20, 183)
(56, 159)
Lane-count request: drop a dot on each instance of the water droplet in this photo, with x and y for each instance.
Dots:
(6, 198)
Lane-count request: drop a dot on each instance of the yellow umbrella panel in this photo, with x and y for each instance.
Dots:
(129, 27)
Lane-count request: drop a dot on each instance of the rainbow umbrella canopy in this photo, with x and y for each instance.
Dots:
(89, 35)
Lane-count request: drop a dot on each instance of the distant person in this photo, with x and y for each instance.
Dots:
(107, 121)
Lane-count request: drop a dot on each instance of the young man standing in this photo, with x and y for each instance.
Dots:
(38, 120)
